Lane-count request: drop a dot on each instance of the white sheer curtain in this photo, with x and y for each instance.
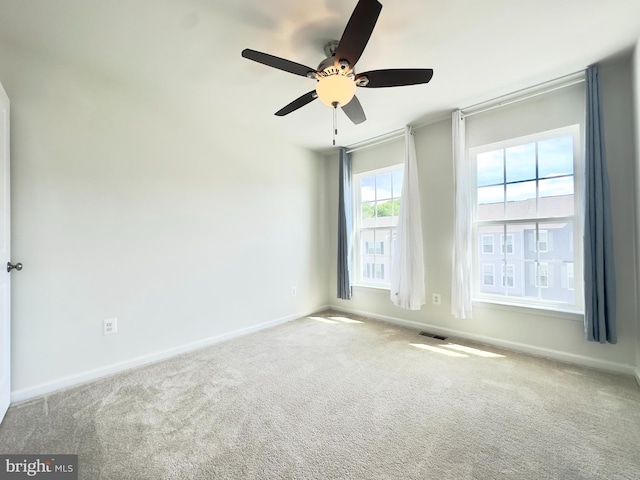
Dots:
(407, 272)
(461, 268)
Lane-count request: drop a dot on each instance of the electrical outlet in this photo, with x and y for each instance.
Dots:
(109, 326)
(294, 291)
(437, 300)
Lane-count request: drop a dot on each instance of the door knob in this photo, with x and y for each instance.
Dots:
(17, 266)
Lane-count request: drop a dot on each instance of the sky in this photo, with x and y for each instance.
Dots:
(555, 171)
(381, 187)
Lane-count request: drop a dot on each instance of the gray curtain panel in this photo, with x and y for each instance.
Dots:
(344, 227)
(599, 271)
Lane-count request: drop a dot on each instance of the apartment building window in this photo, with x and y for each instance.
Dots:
(377, 202)
(487, 244)
(372, 248)
(527, 195)
(508, 274)
(507, 244)
(488, 274)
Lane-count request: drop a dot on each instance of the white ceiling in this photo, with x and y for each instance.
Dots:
(188, 52)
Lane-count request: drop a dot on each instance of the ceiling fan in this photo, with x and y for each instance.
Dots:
(336, 78)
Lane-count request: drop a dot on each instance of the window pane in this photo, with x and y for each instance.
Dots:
(521, 163)
(490, 168)
(531, 280)
(397, 177)
(385, 210)
(521, 200)
(555, 157)
(507, 244)
(508, 272)
(488, 243)
(368, 212)
(555, 253)
(491, 203)
(556, 197)
(367, 189)
(555, 240)
(383, 186)
(488, 282)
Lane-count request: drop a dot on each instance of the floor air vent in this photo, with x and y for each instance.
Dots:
(433, 335)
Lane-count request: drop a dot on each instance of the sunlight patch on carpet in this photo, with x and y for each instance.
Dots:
(472, 351)
(442, 351)
(345, 320)
(323, 320)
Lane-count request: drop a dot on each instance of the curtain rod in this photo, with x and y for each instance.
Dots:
(385, 137)
(521, 95)
(518, 96)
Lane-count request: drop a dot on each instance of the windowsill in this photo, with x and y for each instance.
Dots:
(372, 287)
(541, 310)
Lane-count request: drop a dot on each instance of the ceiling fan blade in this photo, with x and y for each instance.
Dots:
(354, 111)
(396, 77)
(277, 62)
(297, 103)
(358, 30)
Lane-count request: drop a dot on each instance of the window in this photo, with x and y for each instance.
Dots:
(526, 194)
(487, 244)
(507, 244)
(508, 272)
(543, 241)
(543, 275)
(374, 248)
(377, 200)
(373, 271)
(487, 275)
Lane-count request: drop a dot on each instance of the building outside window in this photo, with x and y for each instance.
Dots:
(488, 273)
(527, 201)
(487, 244)
(508, 273)
(506, 244)
(377, 203)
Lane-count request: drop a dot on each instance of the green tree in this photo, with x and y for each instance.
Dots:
(388, 208)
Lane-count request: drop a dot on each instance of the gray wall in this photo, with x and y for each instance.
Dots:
(636, 91)
(125, 206)
(552, 334)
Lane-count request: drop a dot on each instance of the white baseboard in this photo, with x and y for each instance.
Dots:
(571, 358)
(95, 374)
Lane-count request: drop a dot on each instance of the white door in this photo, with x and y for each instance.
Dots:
(5, 258)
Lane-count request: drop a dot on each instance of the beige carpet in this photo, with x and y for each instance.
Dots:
(327, 398)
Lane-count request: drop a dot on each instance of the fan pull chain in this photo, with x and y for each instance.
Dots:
(335, 122)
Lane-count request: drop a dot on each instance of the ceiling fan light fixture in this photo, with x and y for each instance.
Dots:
(333, 89)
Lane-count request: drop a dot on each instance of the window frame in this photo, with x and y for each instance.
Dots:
(575, 236)
(358, 261)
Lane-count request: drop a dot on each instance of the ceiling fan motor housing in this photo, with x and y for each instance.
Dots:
(336, 82)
